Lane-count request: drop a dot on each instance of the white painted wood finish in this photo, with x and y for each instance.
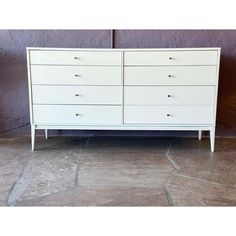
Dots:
(76, 75)
(169, 95)
(123, 89)
(77, 94)
(168, 115)
(171, 58)
(199, 135)
(170, 75)
(32, 137)
(212, 138)
(46, 134)
(77, 57)
(76, 114)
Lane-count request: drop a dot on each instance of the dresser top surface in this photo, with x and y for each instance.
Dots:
(125, 49)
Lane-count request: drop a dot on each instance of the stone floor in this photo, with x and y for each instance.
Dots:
(117, 171)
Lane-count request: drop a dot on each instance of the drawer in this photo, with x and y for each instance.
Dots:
(170, 58)
(169, 115)
(75, 57)
(76, 115)
(76, 75)
(170, 75)
(49, 94)
(169, 95)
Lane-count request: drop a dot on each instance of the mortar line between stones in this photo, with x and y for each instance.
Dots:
(166, 184)
(41, 198)
(168, 156)
(12, 195)
(176, 167)
(203, 180)
(168, 197)
(76, 181)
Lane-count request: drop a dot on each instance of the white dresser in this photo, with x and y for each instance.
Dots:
(123, 89)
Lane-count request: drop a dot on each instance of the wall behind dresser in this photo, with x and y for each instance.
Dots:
(14, 109)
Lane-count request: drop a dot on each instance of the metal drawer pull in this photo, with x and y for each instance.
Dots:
(168, 115)
(76, 58)
(77, 95)
(76, 75)
(170, 76)
(171, 58)
(77, 114)
(168, 95)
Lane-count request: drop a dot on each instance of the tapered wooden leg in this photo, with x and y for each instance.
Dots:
(32, 137)
(199, 135)
(46, 134)
(212, 138)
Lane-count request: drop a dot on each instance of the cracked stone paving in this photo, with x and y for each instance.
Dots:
(117, 171)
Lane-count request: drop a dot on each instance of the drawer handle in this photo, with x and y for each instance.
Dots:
(76, 58)
(168, 115)
(77, 114)
(168, 95)
(171, 58)
(77, 95)
(76, 75)
(170, 76)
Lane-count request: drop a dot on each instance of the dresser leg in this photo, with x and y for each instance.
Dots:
(212, 139)
(199, 135)
(46, 134)
(32, 137)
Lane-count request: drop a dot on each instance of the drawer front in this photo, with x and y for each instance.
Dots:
(171, 58)
(170, 75)
(74, 58)
(169, 95)
(76, 75)
(48, 94)
(76, 115)
(183, 115)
